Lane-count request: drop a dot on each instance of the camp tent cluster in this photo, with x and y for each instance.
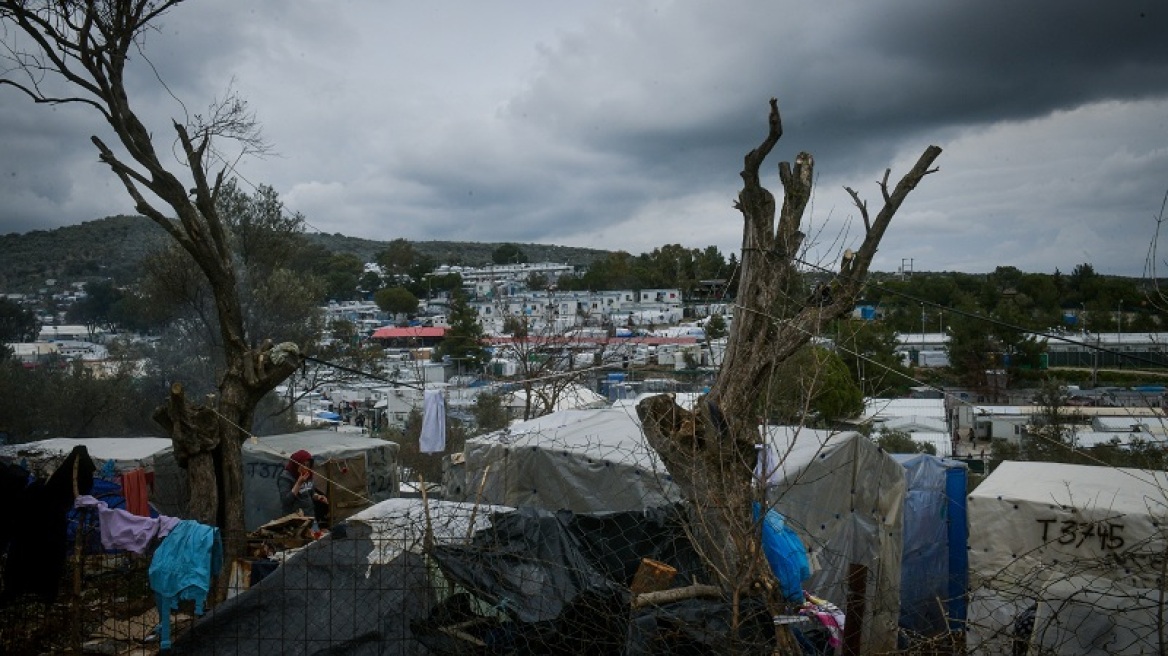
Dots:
(1062, 558)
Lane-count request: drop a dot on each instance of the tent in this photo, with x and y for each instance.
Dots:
(355, 592)
(934, 565)
(845, 496)
(579, 460)
(492, 580)
(354, 470)
(841, 493)
(1067, 558)
(127, 453)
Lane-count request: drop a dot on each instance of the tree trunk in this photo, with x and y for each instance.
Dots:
(87, 44)
(711, 452)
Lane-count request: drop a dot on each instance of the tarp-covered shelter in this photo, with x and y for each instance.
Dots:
(494, 581)
(353, 470)
(845, 496)
(127, 453)
(841, 493)
(355, 592)
(578, 460)
(1067, 559)
(934, 566)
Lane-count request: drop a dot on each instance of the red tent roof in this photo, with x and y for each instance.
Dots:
(393, 332)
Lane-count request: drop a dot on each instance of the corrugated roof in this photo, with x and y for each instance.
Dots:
(394, 332)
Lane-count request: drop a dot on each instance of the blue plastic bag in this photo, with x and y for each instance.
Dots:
(785, 553)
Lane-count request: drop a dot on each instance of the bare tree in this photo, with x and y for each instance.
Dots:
(711, 452)
(548, 371)
(76, 52)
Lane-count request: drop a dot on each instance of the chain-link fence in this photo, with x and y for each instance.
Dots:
(566, 535)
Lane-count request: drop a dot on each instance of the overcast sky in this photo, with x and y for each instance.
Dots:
(622, 126)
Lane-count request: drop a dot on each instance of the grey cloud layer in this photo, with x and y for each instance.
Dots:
(617, 126)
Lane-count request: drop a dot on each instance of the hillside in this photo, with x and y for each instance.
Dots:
(114, 246)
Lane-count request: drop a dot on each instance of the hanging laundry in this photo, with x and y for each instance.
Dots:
(768, 465)
(135, 489)
(121, 529)
(182, 568)
(828, 614)
(433, 437)
(36, 551)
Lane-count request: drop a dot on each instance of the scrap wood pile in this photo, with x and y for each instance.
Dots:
(287, 532)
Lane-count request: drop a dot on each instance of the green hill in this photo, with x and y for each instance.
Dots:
(114, 247)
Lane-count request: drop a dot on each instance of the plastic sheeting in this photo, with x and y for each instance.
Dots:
(560, 583)
(926, 571)
(127, 453)
(839, 491)
(845, 497)
(579, 460)
(1084, 543)
(264, 459)
(355, 592)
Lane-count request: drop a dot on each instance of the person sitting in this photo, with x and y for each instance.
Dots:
(297, 490)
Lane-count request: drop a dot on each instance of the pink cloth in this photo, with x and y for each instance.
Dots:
(124, 530)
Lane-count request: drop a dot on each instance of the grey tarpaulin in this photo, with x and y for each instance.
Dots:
(845, 498)
(579, 460)
(354, 592)
(839, 491)
(127, 453)
(561, 579)
(264, 458)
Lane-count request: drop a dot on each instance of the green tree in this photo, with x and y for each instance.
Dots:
(66, 399)
(901, 442)
(489, 413)
(278, 294)
(342, 274)
(448, 283)
(98, 308)
(868, 349)
(396, 300)
(397, 258)
(464, 339)
(813, 386)
(17, 324)
(715, 327)
(508, 254)
(370, 282)
(972, 349)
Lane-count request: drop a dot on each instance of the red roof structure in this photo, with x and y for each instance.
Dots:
(409, 337)
(409, 332)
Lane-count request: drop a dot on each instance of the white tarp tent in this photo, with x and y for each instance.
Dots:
(1079, 548)
(127, 453)
(367, 466)
(581, 460)
(841, 492)
(845, 496)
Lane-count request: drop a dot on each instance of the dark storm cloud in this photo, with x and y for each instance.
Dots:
(624, 126)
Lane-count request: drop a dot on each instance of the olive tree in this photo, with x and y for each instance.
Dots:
(711, 451)
(78, 52)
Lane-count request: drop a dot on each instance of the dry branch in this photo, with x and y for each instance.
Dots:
(676, 594)
(710, 451)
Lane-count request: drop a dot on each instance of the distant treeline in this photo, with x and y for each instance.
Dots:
(114, 247)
